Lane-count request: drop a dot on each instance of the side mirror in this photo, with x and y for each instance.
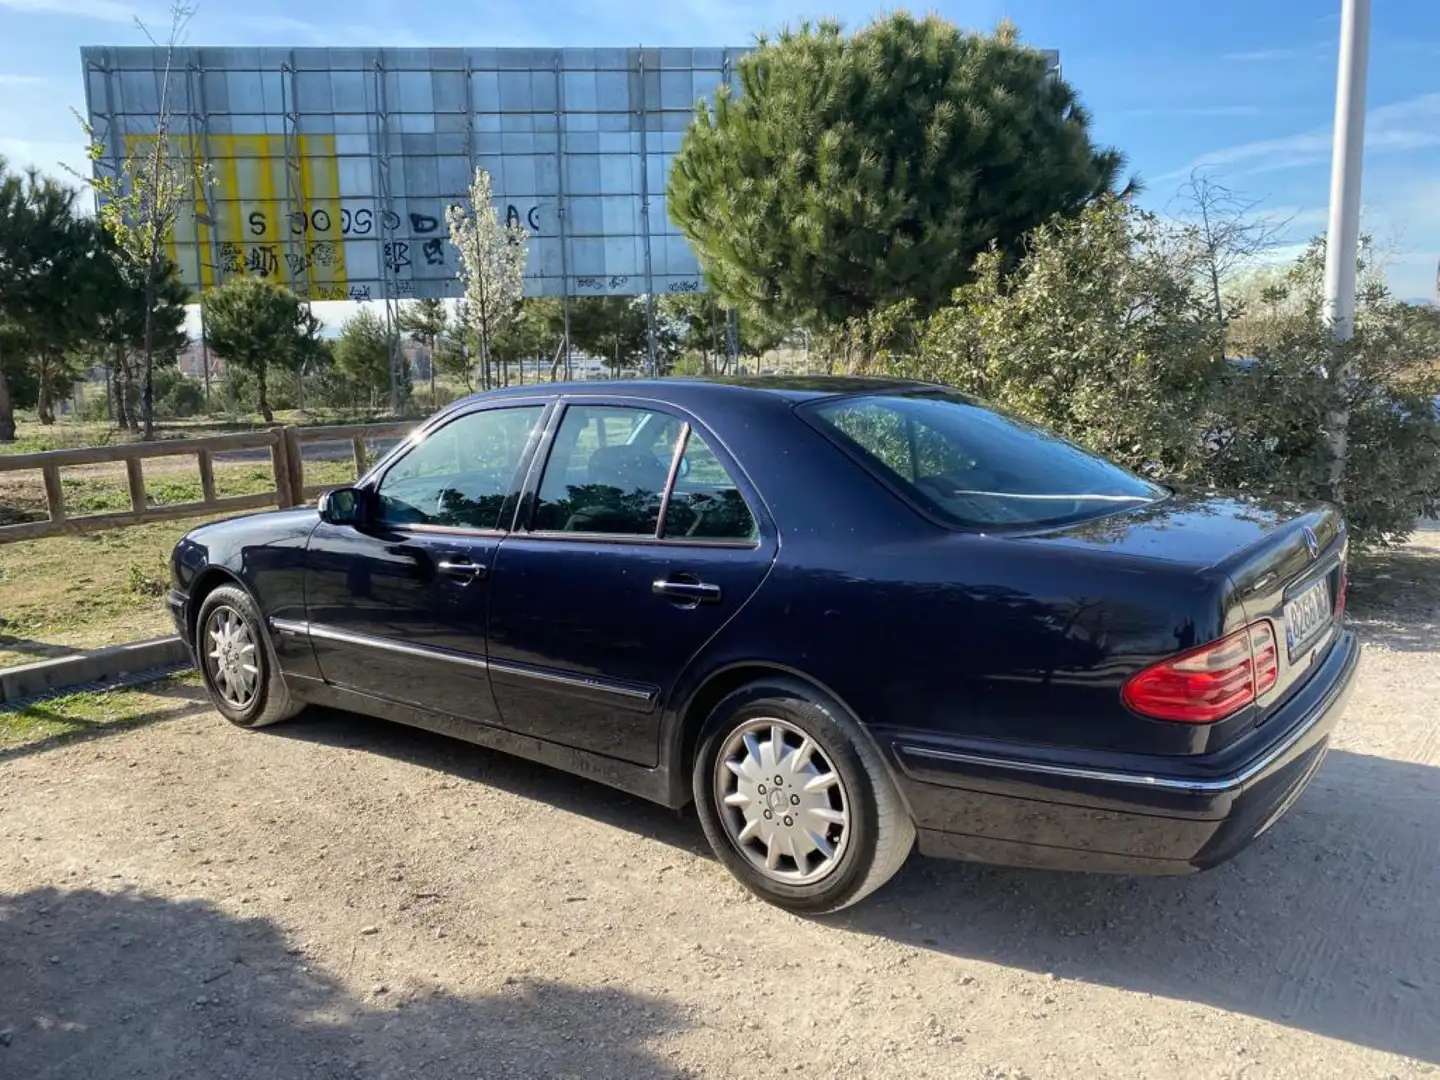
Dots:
(343, 506)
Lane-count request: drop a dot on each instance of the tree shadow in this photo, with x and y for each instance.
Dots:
(38, 650)
(1326, 923)
(129, 984)
(518, 776)
(1394, 598)
(190, 701)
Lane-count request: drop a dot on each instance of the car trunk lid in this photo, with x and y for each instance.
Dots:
(1281, 561)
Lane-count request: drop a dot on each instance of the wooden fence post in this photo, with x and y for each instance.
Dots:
(280, 456)
(135, 478)
(54, 493)
(295, 458)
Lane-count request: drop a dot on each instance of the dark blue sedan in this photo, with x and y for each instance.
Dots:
(836, 615)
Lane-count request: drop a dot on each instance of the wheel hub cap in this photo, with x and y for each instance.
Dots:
(232, 656)
(782, 802)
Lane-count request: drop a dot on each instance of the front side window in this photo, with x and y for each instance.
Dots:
(974, 467)
(460, 475)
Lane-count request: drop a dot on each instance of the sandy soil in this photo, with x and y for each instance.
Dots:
(340, 898)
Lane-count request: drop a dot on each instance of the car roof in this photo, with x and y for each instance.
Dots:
(687, 390)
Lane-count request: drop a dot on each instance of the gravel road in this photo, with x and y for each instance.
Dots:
(340, 898)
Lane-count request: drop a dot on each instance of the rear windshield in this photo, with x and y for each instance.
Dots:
(973, 467)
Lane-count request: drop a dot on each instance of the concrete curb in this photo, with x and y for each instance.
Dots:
(98, 666)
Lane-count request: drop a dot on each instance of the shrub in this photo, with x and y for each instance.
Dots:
(1103, 334)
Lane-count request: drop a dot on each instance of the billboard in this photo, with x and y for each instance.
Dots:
(330, 169)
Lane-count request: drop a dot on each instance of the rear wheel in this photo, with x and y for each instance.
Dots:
(796, 802)
(237, 661)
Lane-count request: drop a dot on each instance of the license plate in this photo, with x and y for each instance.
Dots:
(1307, 615)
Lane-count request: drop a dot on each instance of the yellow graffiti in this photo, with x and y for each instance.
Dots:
(262, 213)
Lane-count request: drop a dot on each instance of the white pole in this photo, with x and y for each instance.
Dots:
(1343, 236)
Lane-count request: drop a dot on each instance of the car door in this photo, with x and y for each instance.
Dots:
(396, 608)
(638, 544)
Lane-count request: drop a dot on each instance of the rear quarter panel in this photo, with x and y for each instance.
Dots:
(920, 629)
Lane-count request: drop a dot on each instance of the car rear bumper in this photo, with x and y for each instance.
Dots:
(1042, 807)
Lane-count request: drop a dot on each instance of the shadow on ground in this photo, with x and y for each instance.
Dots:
(189, 701)
(31, 649)
(131, 985)
(1327, 923)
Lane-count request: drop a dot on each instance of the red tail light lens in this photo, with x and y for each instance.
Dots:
(1341, 591)
(1209, 683)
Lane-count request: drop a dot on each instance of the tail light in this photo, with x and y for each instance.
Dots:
(1341, 590)
(1209, 683)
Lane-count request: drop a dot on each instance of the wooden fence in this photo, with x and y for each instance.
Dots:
(285, 444)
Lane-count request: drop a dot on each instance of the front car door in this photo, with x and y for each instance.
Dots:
(396, 609)
(636, 542)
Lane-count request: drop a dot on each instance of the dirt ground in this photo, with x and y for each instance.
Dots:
(341, 898)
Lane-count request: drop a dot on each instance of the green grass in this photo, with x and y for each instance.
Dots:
(81, 715)
(61, 594)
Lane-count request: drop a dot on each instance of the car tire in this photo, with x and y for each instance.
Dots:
(869, 832)
(230, 638)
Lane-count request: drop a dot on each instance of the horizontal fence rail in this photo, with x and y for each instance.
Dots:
(285, 444)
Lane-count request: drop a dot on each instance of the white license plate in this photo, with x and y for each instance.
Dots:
(1307, 614)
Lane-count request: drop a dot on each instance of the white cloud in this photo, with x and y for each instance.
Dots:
(48, 157)
(97, 10)
(1395, 128)
(1261, 56)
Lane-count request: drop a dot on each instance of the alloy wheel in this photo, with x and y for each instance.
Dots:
(231, 658)
(782, 801)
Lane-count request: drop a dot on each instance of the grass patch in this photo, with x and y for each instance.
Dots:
(70, 716)
(63, 594)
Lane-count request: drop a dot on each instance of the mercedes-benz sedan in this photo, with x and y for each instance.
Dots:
(836, 616)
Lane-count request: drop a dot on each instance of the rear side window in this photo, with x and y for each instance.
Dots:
(973, 467)
(705, 504)
(607, 471)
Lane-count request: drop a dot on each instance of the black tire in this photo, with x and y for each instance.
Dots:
(880, 830)
(271, 701)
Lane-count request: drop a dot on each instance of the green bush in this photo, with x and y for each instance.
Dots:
(1101, 335)
(177, 396)
(1104, 333)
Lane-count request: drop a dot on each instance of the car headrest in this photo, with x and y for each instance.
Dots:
(627, 468)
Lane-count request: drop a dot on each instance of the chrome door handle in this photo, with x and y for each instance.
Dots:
(468, 571)
(696, 592)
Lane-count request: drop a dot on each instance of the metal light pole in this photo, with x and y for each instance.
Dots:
(1343, 236)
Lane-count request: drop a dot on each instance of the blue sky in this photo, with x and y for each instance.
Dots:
(1245, 86)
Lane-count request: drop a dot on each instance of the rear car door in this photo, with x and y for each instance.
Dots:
(640, 540)
(397, 608)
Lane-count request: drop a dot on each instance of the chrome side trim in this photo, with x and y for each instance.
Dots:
(1115, 776)
(366, 641)
(500, 667)
(579, 682)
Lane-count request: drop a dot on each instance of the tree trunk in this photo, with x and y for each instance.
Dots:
(433, 342)
(7, 407)
(45, 402)
(484, 357)
(124, 392)
(147, 394)
(265, 412)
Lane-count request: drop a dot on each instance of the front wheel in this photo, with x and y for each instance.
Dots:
(796, 802)
(237, 661)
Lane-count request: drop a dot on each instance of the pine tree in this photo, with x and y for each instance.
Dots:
(854, 173)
